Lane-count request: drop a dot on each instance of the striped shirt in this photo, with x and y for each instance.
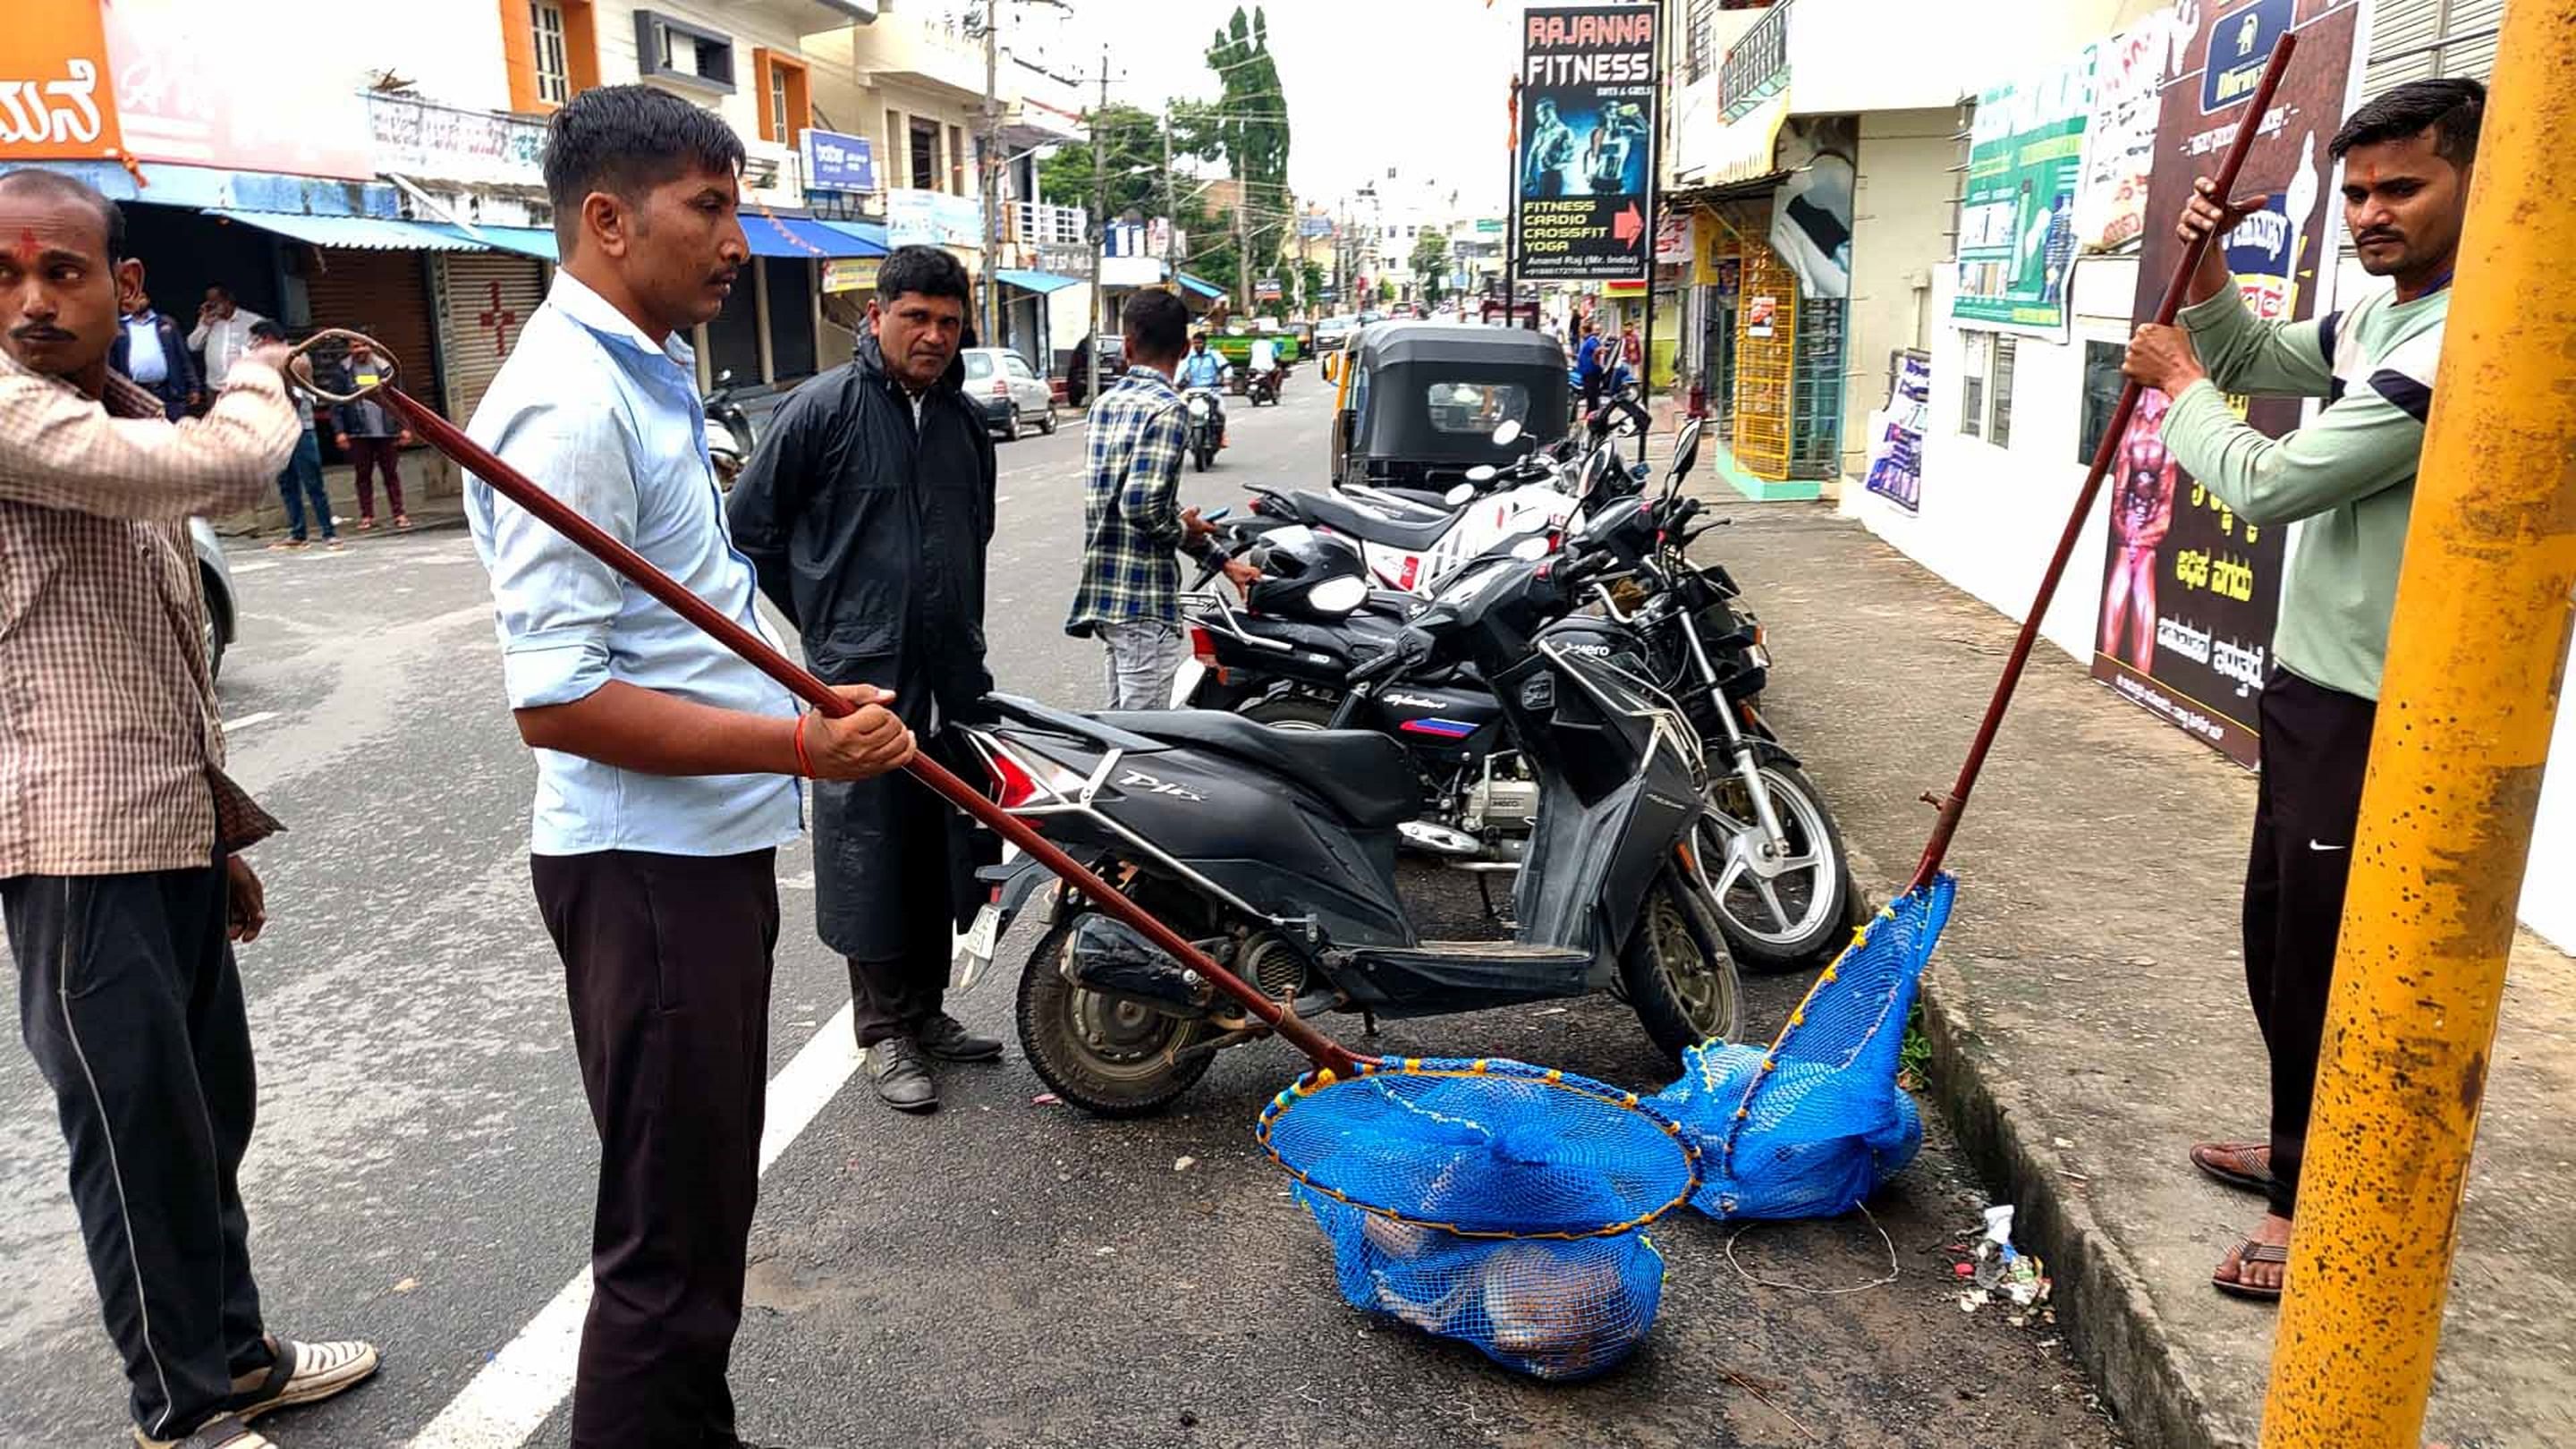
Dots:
(2347, 478)
(1131, 505)
(110, 746)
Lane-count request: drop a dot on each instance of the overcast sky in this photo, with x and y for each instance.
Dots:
(1419, 85)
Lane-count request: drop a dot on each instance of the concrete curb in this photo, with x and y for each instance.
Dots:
(2102, 1301)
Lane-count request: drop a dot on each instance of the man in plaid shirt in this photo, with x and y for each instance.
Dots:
(1132, 521)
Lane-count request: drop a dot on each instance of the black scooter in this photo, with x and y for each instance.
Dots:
(1276, 852)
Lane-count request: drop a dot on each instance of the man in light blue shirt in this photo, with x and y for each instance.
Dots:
(1204, 369)
(663, 761)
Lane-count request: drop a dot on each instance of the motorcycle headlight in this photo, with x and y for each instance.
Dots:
(1198, 407)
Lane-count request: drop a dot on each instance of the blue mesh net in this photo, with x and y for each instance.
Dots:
(1491, 1202)
(1812, 1126)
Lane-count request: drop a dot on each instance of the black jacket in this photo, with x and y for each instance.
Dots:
(869, 534)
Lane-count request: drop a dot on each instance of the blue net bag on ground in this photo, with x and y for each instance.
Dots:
(1489, 1201)
(1812, 1126)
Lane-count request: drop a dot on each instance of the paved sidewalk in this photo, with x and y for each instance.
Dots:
(2088, 1010)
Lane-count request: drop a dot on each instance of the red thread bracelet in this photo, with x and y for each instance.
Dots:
(804, 762)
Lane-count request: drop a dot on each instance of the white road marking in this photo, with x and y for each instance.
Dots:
(517, 1388)
(239, 569)
(246, 721)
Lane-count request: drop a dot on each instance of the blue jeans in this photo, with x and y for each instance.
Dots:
(301, 480)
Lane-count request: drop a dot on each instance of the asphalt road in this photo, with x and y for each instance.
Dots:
(1001, 1273)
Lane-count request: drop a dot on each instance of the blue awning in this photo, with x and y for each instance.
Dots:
(796, 236)
(527, 241)
(1203, 288)
(1039, 282)
(365, 232)
(867, 233)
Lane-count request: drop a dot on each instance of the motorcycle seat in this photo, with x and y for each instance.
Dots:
(1362, 774)
(1350, 519)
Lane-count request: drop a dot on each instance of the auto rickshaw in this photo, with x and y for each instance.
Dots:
(1416, 404)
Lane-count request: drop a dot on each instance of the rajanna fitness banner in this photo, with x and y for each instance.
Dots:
(1585, 178)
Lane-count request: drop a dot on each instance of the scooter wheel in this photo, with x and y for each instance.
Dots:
(1109, 1058)
(1676, 972)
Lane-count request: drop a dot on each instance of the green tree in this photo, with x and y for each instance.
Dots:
(1248, 127)
(1386, 291)
(1430, 263)
(1312, 276)
(1133, 141)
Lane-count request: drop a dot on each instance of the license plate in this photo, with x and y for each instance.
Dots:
(975, 953)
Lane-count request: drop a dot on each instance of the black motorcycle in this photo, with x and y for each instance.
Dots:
(1261, 385)
(1207, 425)
(1276, 853)
(729, 433)
(1779, 872)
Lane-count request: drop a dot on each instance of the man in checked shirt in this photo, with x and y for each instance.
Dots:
(1132, 520)
(118, 880)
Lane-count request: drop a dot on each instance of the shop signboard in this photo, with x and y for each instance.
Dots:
(423, 140)
(2017, 215)
(2120, 140)
(851, 274)
(55, 101)
(933, 219)
(182, 95)
(834, 162)
(1584, 179)
(2190, 589)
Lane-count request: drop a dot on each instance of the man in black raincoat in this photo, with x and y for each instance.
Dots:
(865, 512)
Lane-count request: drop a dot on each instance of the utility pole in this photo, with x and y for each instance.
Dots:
(2474, 654)
(1099, 227)
(1171, 211)
(991, 171)
(1242, 243)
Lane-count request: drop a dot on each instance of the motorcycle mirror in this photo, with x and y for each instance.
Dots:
(725, 378)
(1530, 550)
(1482, 473)
(1337, 595)
(1508, 434)
(1687, 452)
(1463, 491)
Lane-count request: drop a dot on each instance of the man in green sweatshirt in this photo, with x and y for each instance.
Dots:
(2347, 479)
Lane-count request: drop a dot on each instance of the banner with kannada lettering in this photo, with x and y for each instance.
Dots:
(2190, 591)
(2017, 215)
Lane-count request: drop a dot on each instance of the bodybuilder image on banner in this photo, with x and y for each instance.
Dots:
(1587, 143)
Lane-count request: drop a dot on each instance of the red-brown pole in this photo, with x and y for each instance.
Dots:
(1955, 803)
(560, 516)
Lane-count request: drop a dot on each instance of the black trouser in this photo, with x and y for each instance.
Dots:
(2316, 747)
(898, 995)
(666, 961)
(130, 1003)
(1592, 392)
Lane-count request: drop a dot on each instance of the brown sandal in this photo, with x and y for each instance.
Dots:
(2231, 1163)
(2249, 1251)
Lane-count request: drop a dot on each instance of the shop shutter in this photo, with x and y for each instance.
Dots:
(484, 299)
(385, 294)
(2419, 39)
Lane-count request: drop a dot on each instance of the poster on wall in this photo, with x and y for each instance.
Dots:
(1587, 143)
(2129, 70)
(1896, 435)
(1811, 214)
(2190, 590)
(2017, 215)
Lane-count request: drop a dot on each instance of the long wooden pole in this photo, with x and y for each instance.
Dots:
(560, 516)
(1955, 804)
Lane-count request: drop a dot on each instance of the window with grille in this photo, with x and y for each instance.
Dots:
(554, 72)
(2420, 39)
(1999, 395)
(778, 117)
(1700, 35)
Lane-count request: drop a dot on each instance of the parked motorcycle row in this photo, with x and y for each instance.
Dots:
(1525, 678)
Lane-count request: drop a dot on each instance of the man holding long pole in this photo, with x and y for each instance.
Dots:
(2349, 477)
(663, 759)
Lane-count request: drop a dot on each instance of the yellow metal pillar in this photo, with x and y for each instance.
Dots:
(2474, 666)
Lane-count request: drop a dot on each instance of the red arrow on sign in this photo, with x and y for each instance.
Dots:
(1627, 226)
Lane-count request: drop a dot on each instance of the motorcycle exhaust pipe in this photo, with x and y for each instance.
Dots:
(1439, 839)
(1115, 959)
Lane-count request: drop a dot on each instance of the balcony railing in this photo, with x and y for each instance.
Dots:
(1042, 224)
(1757, 68)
